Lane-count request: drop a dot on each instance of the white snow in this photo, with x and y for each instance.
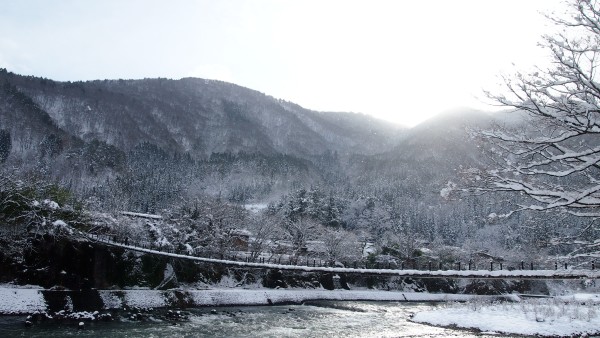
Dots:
(111, 300)
(217, 297)
(546, 317)
(369, 248)
(256, 207)
(60, 225)
(143, 298)
(51, 204)
(14, 300)
(447, 190)
(137, 214)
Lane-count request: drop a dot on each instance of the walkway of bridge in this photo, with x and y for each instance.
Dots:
(415, 273)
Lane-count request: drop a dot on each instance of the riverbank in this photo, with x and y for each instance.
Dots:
(561, 316)
(19, 300)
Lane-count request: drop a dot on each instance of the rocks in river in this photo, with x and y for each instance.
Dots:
(38, 316)
(81, 325)
(81, 316)
(136, 316)
(227, 313)
(137, 313)
(67, 316)
(177, 315)
(142, 314)
(105, 317)
(290, 310)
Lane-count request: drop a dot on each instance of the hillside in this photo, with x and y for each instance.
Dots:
(139, 144)
(195, 116)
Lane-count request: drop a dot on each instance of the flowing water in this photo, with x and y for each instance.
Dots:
(313, 319)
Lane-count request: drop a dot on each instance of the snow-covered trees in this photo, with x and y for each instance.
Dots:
(5, 144)
(554, 160)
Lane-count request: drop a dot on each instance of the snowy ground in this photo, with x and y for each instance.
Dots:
(561, 316)
(22, 299)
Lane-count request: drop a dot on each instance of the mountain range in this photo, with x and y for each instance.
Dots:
(89, 131)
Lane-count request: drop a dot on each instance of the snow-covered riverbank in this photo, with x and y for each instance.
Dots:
(222, 297)
(27, 300)
(565, 316)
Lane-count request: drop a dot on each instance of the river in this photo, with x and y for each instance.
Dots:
(313, 319)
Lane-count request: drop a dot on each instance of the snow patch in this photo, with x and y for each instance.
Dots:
(61, 226)
(550, 317)
(447, 190)
(140, 215)
(144, 298)
(15, 301)
(50, 204)
(256, 207)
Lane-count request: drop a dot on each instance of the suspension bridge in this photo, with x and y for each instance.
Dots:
(460, 273)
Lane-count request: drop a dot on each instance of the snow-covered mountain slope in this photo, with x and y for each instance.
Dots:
(198, 117)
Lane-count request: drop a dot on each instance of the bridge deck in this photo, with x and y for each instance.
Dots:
(460, 274)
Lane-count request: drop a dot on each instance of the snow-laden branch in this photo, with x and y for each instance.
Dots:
(551, 161)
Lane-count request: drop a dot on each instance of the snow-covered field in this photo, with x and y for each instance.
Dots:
(575, 315)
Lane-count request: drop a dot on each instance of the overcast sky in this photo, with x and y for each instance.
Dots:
(399, 60)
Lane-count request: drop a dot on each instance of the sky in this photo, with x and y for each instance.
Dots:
(402, 61)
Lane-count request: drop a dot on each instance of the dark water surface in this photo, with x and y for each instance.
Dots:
(314, 319)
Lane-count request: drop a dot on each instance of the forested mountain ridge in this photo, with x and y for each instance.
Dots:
(145, 144)
(199, 117)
